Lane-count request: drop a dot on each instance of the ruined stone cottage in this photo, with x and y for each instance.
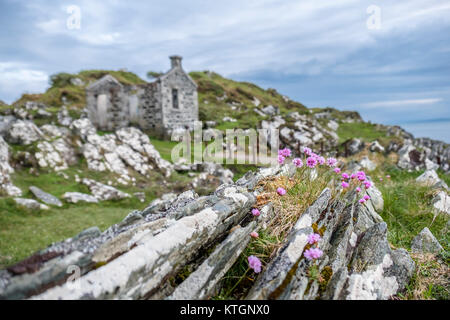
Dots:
(169, 102)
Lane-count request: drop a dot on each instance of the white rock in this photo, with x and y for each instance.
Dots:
(74, 197)
(441, 202)
(368, 164)
(31, 204)
(23, 132)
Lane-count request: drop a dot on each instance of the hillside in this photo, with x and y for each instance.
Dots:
(46, 142)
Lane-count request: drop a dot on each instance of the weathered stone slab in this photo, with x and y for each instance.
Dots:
(202, 283)
(45, 197)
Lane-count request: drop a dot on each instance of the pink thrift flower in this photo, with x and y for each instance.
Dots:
(388, 176)
(307, 151)
(313, 253)
(321, 160)
(345, 176)
(313, 238)
(358, 189)
(366, 197)
(337, 170)
(331, 162)
(281, 191)
(353, 176)
(285, 152)
(345, 184)
(381, 179)
(367, 184)
(362, 200)
(254, 234)
(361, 175)
(297, 162)
(311, 162)
(280, 159)
(254, 263)
(255, 212)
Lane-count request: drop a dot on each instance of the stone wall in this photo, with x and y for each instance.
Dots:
(136, 258)
(107, 104)
(187, 111)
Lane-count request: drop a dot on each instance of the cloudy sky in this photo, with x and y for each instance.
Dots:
(389, 60)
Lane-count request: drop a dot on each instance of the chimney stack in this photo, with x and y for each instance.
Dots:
(176, 61)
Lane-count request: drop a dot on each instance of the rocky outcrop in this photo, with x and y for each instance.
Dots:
(138, 257)
(422, 153)
(298, 131)
(23, 132)
(127, 148)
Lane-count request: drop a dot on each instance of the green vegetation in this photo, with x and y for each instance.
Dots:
(368, 132)
(217, 96)
(62, 87)
(407, 207)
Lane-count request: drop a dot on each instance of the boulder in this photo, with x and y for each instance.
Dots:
(375, 146)
(410, 158)
(430, 178)
(271, 110)
(441, 202)
(368, 164)
(354, 146)
(425, 242)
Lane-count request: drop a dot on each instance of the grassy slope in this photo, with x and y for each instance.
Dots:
(217, 93)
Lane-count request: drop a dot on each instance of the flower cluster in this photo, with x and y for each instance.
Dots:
(360, 177)
(283, 154)
(313, 252)
(254, 263)
(254, 234)
(314, 238)
(255, 212)
(281, 191)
